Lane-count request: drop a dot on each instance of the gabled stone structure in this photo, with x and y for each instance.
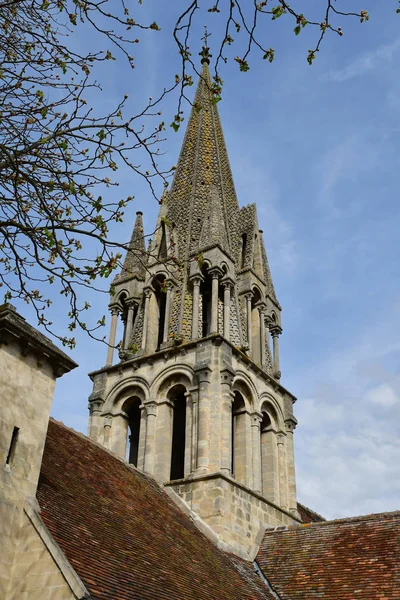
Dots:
(198, 382)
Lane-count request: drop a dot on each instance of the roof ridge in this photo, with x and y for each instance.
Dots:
(356, 519)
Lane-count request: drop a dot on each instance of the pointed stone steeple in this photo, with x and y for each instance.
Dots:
(134, 263)
(198, 382)
(203, 172)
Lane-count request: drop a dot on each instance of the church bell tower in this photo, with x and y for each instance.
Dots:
(195, 398)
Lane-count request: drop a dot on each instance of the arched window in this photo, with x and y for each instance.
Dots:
(132, 410)
(206, 296)
(244, 250)
(239, 445)
(269, 457)
(157, 314)
(255, 326)
(177, 395)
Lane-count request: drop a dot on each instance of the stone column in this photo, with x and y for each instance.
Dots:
(147, 294)
(107, 431)
(283, 502)
(142, 437)
(227, 309)
(214, 302)
(194, 392)
(149, 452)
(227, 376)
(261, 310)
(267, 334)
(256, 450)
(188, 434)
(167, 311)
(291, 474)
(113, 332)
(95, 419)
(275, 339)
(129, 325)
(203, 425)
(249, 327)
(195, 307)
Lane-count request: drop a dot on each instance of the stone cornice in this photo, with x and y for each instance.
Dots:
(135, 362)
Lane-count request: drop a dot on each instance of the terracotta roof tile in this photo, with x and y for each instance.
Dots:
(124, 536)
(335, 560)
(307, 515)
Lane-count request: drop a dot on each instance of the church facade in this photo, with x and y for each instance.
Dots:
(195, 398)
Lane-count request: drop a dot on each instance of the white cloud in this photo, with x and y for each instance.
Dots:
(348, 439)
(363, 64)
(382, 395)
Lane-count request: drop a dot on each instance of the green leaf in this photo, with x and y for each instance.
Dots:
(297, 29)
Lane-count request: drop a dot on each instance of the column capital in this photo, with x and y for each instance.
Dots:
(202, 372)
(95, 405)
(215, 272)
(114, 309)
(256, 419)
(151, 407)
(227, 282)
(248, 296)
(261, 307)
(227, 375)
(196, 279)
(275, 330)
(290, 424)
(147, 292)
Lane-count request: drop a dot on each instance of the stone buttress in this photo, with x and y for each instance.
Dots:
(196, 398)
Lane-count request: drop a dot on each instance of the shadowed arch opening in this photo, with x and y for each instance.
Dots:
(131, 408)
(206, 296)
(158, 302)
(177, 396)
(255, 326)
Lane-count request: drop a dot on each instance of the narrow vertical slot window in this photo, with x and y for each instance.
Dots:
(13, 444)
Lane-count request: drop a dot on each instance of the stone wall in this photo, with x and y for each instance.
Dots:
(236, 515)
(35, 575)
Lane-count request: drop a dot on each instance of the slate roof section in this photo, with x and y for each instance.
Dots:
(124, 536)
(334, 560)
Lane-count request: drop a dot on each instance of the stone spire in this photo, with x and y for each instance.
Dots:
(203, 173)
(134, 264)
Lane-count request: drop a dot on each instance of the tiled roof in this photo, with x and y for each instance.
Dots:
(307, 515)
(124, 536)
(334, 560)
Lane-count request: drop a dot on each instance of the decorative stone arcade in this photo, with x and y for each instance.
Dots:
(195, 399)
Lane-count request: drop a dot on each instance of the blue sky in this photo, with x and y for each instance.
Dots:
(317, 149)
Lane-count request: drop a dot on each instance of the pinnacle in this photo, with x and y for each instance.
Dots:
(135, 256)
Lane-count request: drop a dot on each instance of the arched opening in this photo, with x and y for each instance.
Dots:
(177, 395)
(206, 296)
(269, 457)
(239, 438)
(244, 250)
(162, 252)
(132, 410)
(157, 309)
(255, 326)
